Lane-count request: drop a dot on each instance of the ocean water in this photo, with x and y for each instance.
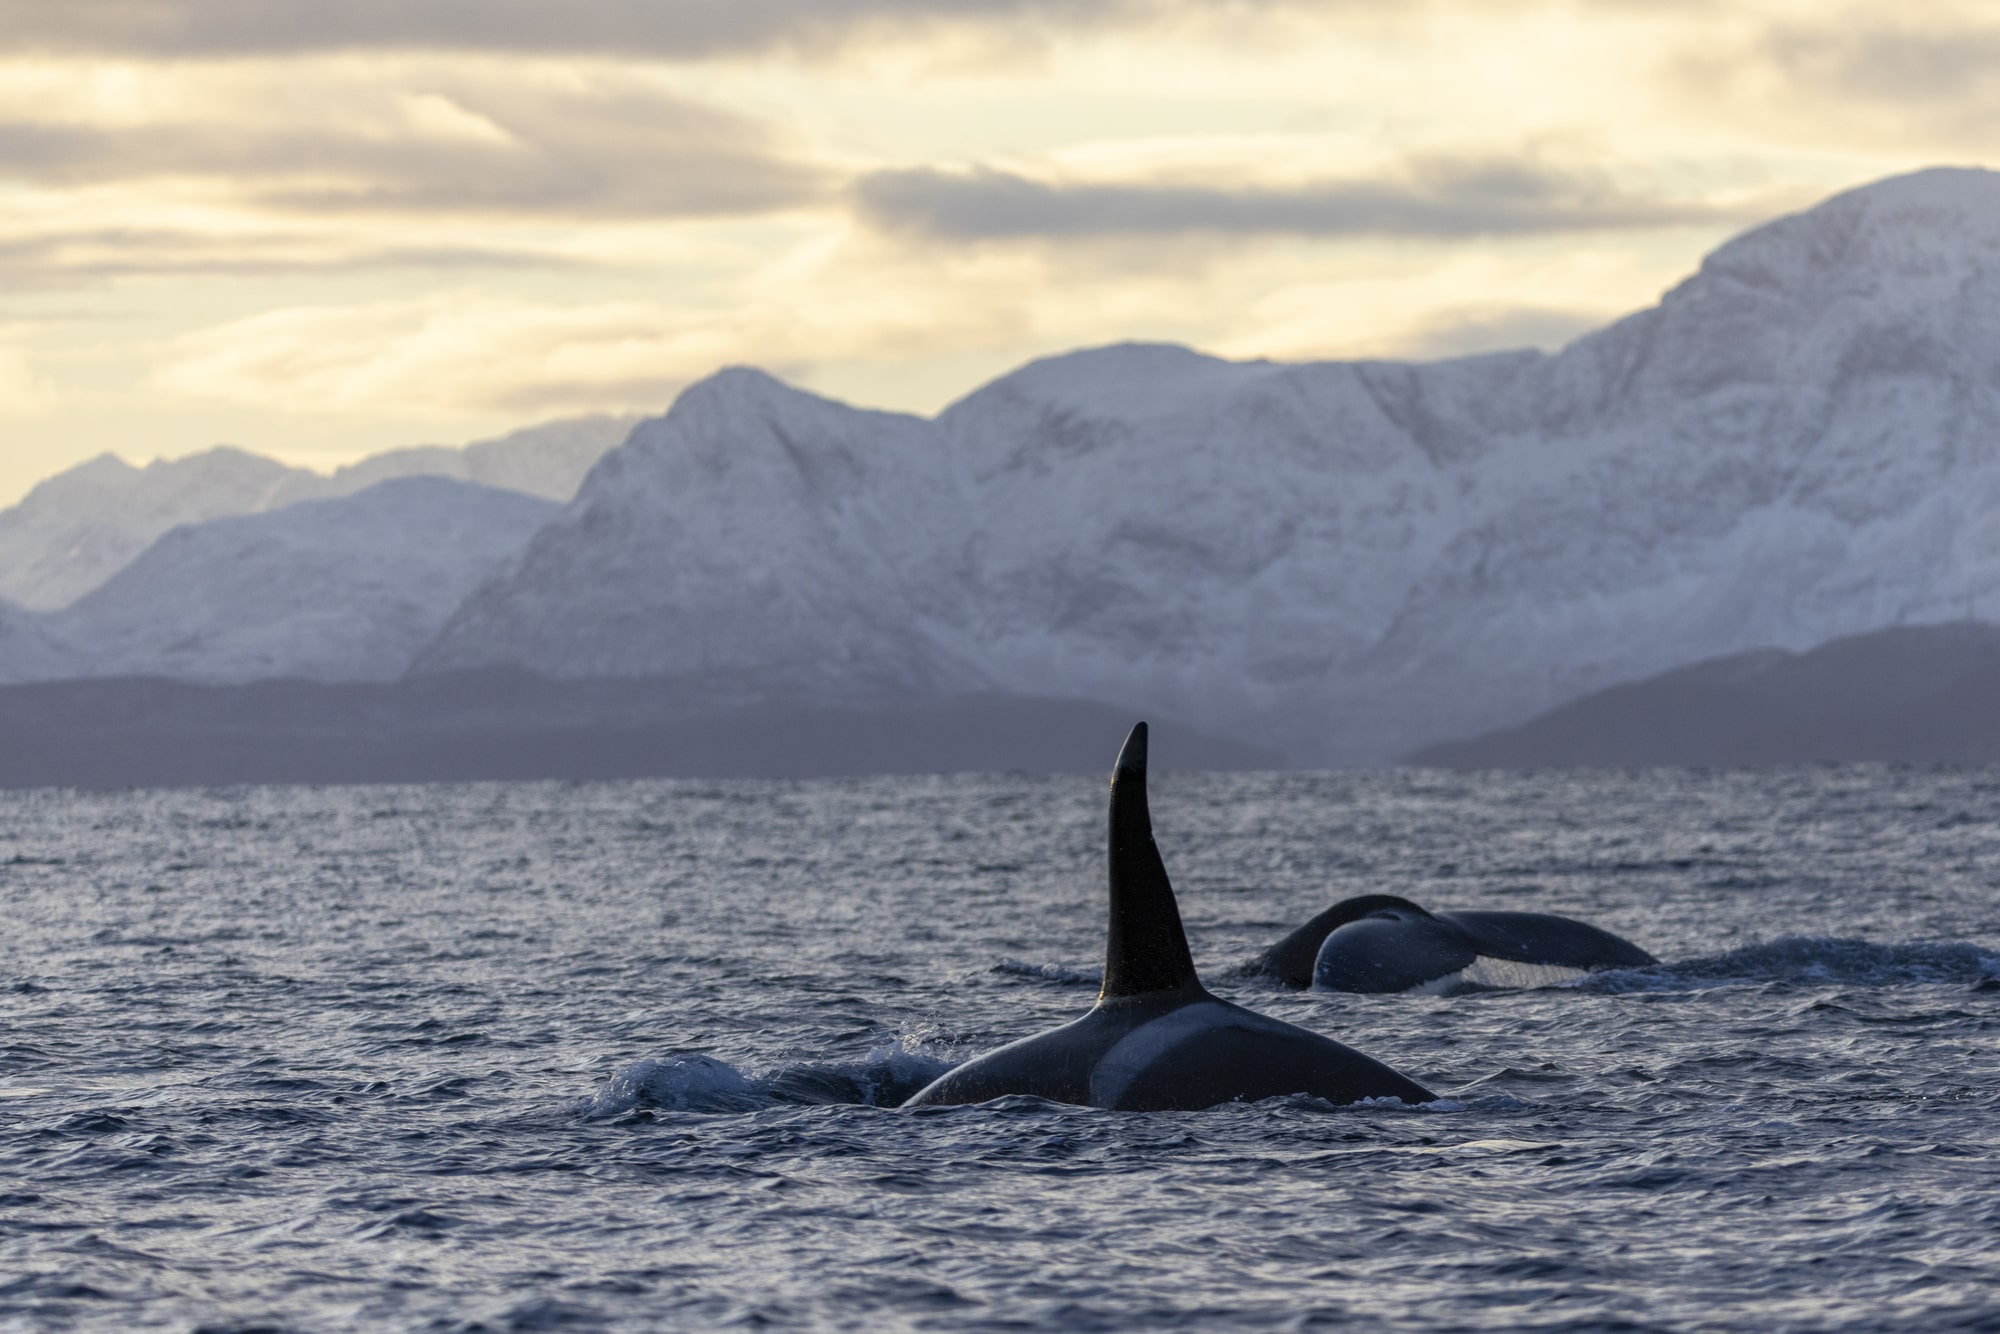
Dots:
(627, 1056)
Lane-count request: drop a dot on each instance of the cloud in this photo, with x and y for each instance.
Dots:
(24, 391)
(474, 352)
(443, 355)
(608, 148)
(1868, 58)
(672, 29)
(52, 258)
(1436, 198)
(1903, 86)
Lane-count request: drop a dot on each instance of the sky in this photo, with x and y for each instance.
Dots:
(318, 230)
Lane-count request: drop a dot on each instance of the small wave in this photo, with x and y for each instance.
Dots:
(1808, 960)
(1398, 1105)
(696, 1082)
(1060, 974)
(687, 1082)
(1448, 1106)
(1487, 974)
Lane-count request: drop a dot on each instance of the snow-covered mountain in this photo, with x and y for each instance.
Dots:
(1232, 540)
(757, 539)
(1346, 560)
(27, 650)
(332, 590)
(77, 529)
(549, 461)
(1801, 442)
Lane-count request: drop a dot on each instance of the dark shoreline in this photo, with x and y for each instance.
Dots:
(508, 726)
(1908, 695)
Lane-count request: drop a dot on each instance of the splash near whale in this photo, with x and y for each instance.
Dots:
(1157, 1040)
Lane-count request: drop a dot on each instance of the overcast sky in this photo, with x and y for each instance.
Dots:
(318, 230)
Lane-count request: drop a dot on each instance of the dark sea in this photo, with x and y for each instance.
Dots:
(627, 1056)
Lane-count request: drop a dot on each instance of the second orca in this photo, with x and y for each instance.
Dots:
(1381, 943)
(1156, 1039)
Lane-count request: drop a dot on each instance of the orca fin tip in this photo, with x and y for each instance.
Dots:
(1132, 758)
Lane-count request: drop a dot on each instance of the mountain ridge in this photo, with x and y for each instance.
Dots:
(340, 589)
(1798, 442)
(515, 727)
(1343, 560)
(74, 530)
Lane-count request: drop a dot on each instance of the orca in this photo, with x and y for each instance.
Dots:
(1381, 943)
(1156, 1039)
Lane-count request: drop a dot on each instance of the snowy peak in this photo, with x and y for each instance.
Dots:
(1792, 322)
(1053, 413)
(1919, 228)
(1135, 398)
(76, 529)
(223, 475)
(548, 461)
(746, 425)
(1344, 559)
(340, 590)
(755, 534)
(1127, 381)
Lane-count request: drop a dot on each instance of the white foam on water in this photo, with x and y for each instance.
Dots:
(1484, 973)
(688, 1082)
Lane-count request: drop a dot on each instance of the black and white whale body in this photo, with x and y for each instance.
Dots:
(1379, 943)
(1157, 1040)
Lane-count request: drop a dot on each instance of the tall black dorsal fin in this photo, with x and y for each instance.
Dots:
(1145, 950)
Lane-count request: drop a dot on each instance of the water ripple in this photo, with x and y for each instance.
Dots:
(580, 1056)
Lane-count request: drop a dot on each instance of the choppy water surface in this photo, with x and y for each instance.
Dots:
(534, 1056)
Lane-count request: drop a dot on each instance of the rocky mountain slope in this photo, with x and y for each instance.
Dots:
(80, 527)
(1345, 560)
(756, 542)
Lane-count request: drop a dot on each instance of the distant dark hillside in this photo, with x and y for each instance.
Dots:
(147, 732)
(1927, 695)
